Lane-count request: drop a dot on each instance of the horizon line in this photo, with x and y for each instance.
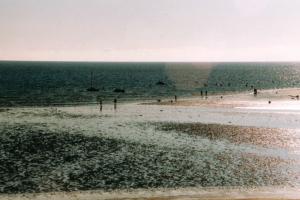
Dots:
(147, 61)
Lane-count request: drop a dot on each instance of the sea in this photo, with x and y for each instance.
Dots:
(26, 83)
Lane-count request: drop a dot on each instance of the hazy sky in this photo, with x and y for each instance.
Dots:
(150, 30)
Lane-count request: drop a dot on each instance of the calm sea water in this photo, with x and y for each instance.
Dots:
(66, 83)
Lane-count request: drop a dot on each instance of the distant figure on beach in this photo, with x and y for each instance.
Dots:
(175, 98)
(295, 97)
(255, 91)
(206, 92)
(115, 104)
(201, 93)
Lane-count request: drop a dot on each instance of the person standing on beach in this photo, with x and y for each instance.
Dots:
(255, 91)
(115, 104)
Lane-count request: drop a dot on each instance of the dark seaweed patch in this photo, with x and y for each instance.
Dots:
(261, 136)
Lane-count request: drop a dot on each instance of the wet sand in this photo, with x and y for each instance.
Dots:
(236, 147)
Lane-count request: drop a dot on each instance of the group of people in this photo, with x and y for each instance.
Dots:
(205, 93)
(115, 104)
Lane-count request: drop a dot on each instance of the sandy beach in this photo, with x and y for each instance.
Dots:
(236, 147)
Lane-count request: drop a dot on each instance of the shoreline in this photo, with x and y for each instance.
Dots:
(263, 94)
(285, 94)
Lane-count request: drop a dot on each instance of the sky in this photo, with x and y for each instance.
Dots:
(150, 30)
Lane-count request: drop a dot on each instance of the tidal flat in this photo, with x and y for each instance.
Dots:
(149, 147)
